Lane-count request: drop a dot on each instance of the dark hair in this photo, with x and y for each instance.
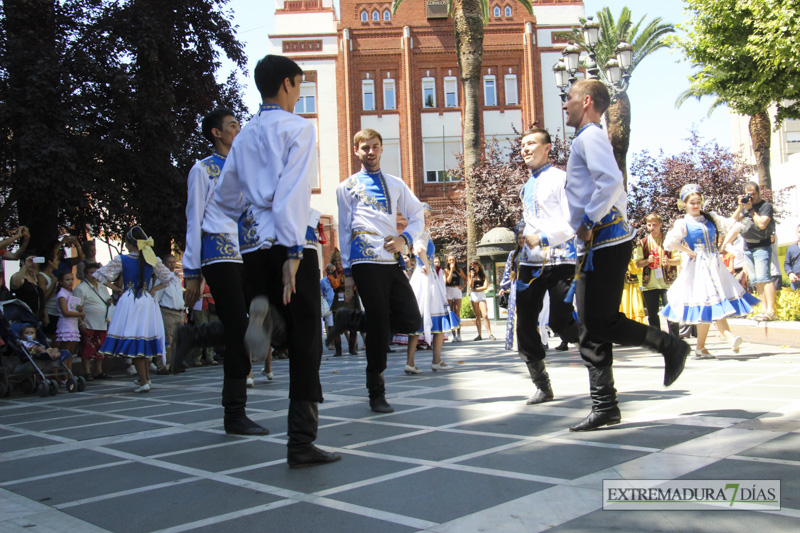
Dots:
(597, 91)
(87, 266)
(541, 131)
(270, 72)
(480, 275)
(86, 244)
(752, 184)
(60, 276)
(135, 234)
(214, 120)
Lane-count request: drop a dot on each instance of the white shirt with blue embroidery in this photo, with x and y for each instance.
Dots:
(594, 188)
(368, 207)
(546, 213)
(269, 164)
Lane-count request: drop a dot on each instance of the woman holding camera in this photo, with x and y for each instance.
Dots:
(24, 284)
(455, 280)
(478, 283)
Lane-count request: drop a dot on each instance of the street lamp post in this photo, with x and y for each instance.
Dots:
(615, 74)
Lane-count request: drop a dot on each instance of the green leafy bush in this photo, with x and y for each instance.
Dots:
(466, 308)
(787, 306)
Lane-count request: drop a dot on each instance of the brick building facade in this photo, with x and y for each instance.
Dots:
(398, 74)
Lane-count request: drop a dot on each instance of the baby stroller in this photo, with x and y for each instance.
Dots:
(20, 368)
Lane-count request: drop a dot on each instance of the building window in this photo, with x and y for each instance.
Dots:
(451, 91)
(368, 94)
(308, 98)
(364, 16)
(428, 92)
(508, 11)
(376, 16)
(497, 11)
(511, 90)
(439, 155)
(389, 95)
(489, 91)
(387, 15)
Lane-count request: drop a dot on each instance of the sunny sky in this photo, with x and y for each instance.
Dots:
(655, 84)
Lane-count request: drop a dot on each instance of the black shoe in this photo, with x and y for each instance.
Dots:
(563, 347)
(540, 378)
(241, 425)
(673, 349)
(380, 405)
(182, 341)
(313, 456)
(598, 419)
(234, 400)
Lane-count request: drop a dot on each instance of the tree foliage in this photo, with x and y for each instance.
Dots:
(101, 102)
(658, 180)
(499, 177)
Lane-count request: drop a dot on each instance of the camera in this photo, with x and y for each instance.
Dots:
(746, 199)
(38, 259)
(472, 269)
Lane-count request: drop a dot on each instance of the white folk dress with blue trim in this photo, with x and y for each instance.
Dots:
(704, 291)
(136, 329)
(430, 292)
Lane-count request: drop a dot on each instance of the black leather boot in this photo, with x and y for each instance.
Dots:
(346, 320)
(352, 342)
(187, 337)
(377, 393)
(604, 401)
(337, 345)
(672, 348)
(303, 422)
(234, 400)
(541, 379)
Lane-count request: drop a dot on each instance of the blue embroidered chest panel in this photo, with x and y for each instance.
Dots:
(371, 189)
(701, 235)
(130, 274)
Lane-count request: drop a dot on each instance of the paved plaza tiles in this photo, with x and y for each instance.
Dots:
(461, 453)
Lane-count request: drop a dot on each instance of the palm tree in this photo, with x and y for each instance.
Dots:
(645, 39)
(469, 16)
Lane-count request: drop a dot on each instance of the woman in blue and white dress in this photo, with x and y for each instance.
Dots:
(429, 288)
(136, 330)
(704, 291)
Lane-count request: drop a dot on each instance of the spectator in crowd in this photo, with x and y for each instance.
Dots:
(96, 301)
(19, 233)
(340, 302)
(70, 311)
(704, 291)
(203, 312)
(455, 279)
(328, 296)
(89, 249)
(791, 265)
(632, 305)
(136, 330)
(508, 285)
(659, 270)
(478, 284)
(61, 246)
(757, 217)
(25, 284)
(170, 300)
(48, 282)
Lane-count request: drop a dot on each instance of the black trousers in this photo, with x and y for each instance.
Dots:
(303, 315)
(226, 282)
(653, 299)
(389, 307)
(554, 280)
(598, 294)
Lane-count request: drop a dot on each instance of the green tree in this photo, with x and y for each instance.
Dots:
(469, 17)
(747, 60)
(646, 38)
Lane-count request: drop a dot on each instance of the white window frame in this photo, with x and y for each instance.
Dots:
(452, 82)
(511, 83)
(429, 83)
(364, 16)
(387, 15)
(367, 87)
(508, 11)
(497, 11)
(376, 17)
(308, 90)
(387, 84)
(489, 78)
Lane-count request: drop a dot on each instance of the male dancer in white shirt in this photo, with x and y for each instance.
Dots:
(370, 246)
(549, 262)
(597, 204)
(212, 252)
(269, 167)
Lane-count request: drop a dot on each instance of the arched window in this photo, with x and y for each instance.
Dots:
(508, 11)
(364, 16)
(387, 15)
(497, 11)
(376, 16)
